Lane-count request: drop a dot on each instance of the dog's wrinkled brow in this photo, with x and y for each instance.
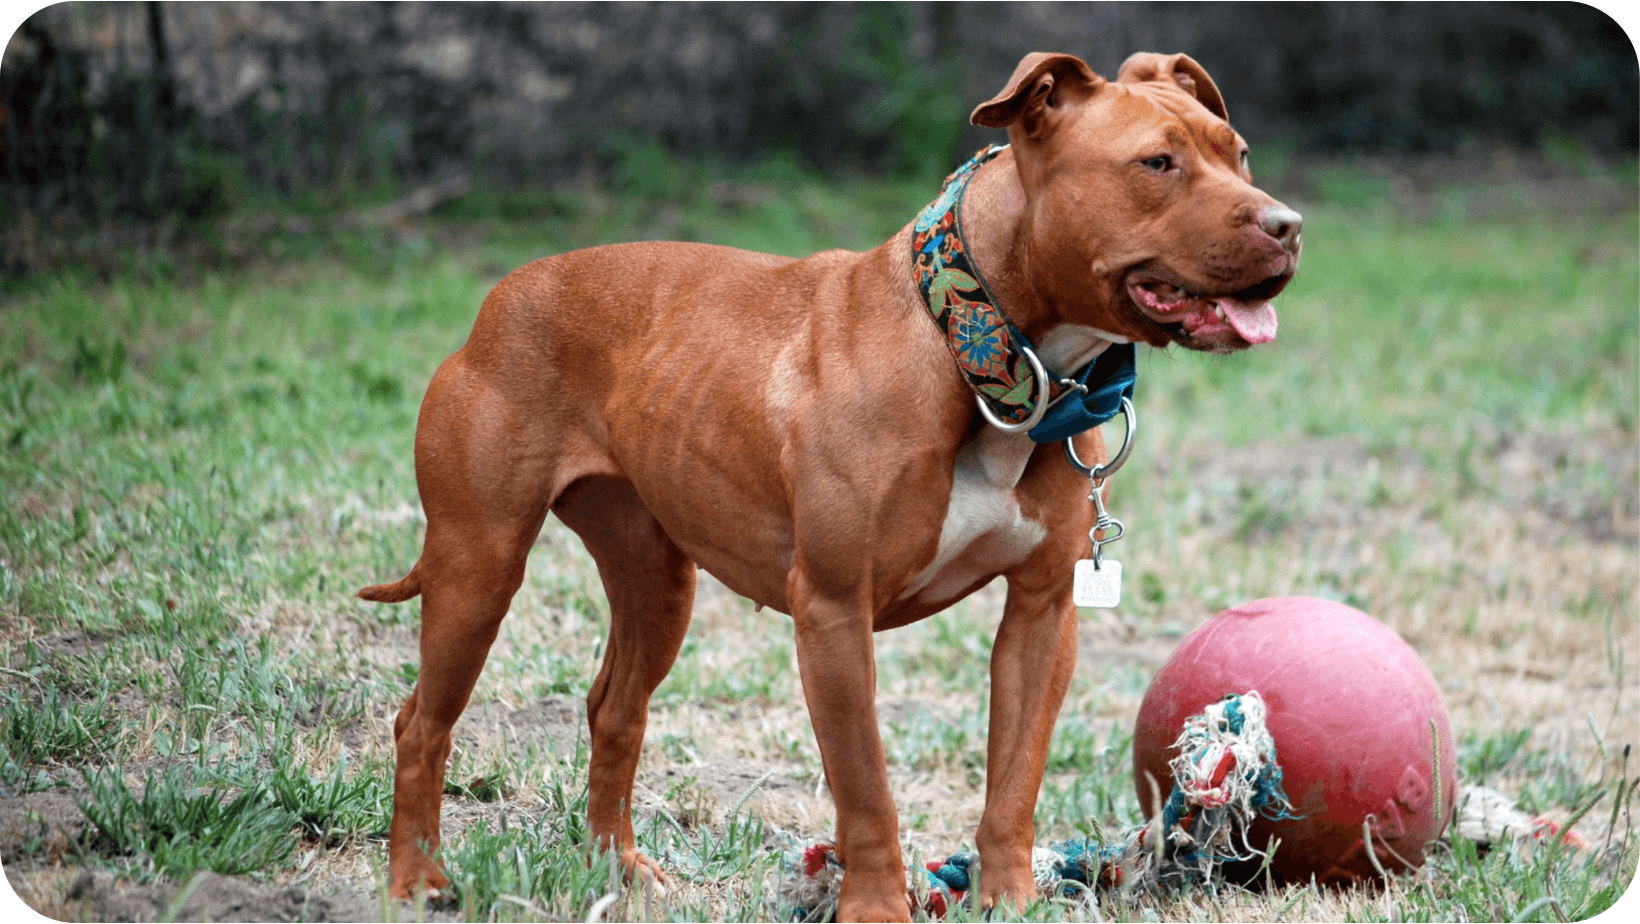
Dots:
(1176, 137)
(1221, 139)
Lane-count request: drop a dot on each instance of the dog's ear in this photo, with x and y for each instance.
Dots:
(1182, 70)
(1041, 85)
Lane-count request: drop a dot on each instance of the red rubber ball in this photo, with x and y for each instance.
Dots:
(1358, 723)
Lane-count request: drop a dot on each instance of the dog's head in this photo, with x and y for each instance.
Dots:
(1142, 181)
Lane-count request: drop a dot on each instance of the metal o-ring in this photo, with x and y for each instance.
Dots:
(1101, 472)
(1041, 399)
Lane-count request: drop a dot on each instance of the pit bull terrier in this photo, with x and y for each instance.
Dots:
(807, 430)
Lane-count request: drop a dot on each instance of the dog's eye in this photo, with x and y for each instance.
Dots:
(1161, 163)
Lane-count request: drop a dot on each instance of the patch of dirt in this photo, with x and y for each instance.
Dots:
(556, 721)
(1122, 644)
(73, 653)
(905, 710)
(707, 793)
(39, 832)
(1581, 485)
(69, 643)
(39, 824)
(97, 896)
(1589, 482)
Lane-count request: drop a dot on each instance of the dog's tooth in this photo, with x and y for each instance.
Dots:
(1218, 309)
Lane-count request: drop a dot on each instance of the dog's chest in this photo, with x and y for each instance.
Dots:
(984, 532)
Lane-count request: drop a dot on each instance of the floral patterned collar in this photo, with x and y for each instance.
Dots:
(996, 358)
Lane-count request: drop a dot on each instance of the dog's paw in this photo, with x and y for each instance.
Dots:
(642, 872)
(421, 881)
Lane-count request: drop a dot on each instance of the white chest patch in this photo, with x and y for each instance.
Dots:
(1069, 347)
(984, 532)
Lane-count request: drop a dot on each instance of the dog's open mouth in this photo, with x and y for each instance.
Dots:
(1230, 321)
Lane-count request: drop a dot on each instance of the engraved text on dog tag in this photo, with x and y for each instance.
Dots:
(1098, 586)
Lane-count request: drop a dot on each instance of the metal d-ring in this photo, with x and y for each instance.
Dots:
(1041, 399)
(1101, 472)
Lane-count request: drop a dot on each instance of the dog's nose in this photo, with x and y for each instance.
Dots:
(1283, 224)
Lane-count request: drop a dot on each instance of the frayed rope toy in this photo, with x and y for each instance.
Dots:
(1225, 775)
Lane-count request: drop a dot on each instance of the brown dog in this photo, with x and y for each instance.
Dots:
(799, 429)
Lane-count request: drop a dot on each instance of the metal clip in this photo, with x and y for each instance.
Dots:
(1103, 521)
(1070, 387)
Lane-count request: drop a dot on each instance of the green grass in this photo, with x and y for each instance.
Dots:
(333, 806)
(201, 465)
(175, 824)
(54, 727)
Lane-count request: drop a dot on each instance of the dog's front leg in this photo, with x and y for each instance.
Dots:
(836, 658)
(1031, 665)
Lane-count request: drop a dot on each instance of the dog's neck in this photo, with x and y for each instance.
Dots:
(993, 219)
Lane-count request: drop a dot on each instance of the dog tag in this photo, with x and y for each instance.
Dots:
(1098, 586)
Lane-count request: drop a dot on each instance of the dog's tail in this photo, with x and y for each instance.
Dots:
(396, 592)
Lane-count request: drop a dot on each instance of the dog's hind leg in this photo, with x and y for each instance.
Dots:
(650, 584)
(486, 484)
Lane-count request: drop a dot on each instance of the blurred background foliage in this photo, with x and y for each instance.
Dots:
(177, 114)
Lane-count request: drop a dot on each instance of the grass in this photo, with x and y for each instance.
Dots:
(49, 728)
(175, 826)
(202, 464)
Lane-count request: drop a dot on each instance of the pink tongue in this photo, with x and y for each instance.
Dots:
(1255, 322)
